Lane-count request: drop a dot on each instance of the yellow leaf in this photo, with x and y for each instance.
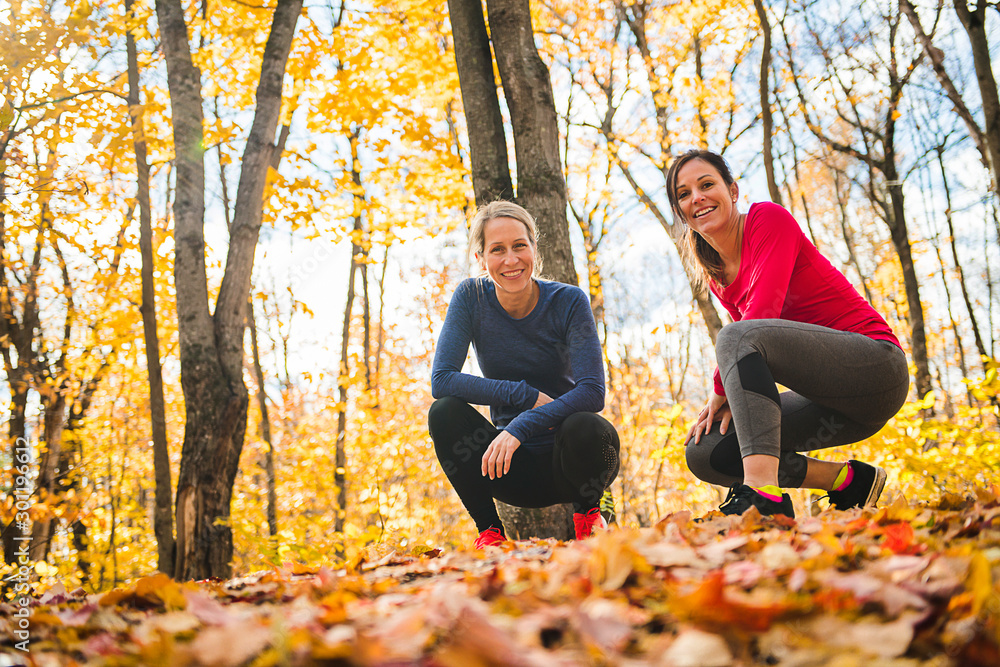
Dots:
(980, 581)
(7, 117)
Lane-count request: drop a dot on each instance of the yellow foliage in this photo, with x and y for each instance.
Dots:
(376, 95)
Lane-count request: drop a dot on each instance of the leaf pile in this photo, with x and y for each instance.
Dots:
(901, 585)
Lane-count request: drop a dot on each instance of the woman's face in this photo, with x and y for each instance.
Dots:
(707, 204)
(508, 255)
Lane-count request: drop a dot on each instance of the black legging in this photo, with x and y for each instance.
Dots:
(576, 469)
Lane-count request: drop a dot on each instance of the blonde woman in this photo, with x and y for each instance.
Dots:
(543, 378)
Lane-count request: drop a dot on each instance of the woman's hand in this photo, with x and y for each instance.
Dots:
(542, 399)
(496, 460)
(716, 409)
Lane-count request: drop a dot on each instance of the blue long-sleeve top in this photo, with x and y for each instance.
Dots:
(554, 349)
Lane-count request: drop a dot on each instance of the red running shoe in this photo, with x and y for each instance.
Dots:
(587, 523)
(490, 537)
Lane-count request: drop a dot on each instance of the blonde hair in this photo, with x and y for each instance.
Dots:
(502, 209)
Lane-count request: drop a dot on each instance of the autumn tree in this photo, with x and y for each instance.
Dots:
(681, 63)
(211, 342)
(767, 116)
(60, 282)
(866, 125)
(985, 134)
(163, 518)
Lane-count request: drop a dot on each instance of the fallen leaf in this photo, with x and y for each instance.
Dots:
(230, 645)
(888, 640)
(696, 648)
(708, 605)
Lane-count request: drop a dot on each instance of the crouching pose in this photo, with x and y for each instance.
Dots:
(798, 322)
(537, 347)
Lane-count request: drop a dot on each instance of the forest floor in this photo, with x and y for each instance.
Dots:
(901, 585)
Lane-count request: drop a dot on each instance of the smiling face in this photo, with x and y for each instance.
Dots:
(704, 199)
(508, 255)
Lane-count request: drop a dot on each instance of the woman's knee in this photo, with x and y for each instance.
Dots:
(459, 432)
(715, 459)
(587, 450)
(735, 341)
(442, 412)
(587, 426)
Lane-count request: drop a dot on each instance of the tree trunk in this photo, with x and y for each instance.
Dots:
(366, 321)
(974, 23)
(848, 236)
(591, 241)
(16, 426)
(915, 310)
(265, 427)
(340, 472)
(211, 347)
(72, 455)
(765, 101)
(487, 143)
(699, 100)
(17, 335)
(163, 518)
(541, 187)
(980, 346)
(897, 220)
(960, 348)
(53, 420)
(51, 384)
(521, 523)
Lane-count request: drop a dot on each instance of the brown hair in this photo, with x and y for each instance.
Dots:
(502, 209)
(696, 250)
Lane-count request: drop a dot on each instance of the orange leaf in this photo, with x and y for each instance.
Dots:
(708, 605)
(899, 538)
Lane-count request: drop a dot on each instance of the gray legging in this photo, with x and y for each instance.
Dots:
(844, 388)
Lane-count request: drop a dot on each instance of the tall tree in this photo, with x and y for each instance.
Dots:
(163, 517)
(986, 136)
(865, 127)
(541, 186)
(211, 344)
(960, 272)
(487, 141)
(765, 101)
(664, 97)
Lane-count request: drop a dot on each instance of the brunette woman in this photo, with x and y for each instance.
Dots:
(797, 322)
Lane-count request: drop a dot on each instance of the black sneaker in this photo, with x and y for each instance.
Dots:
(742, 497)
(864, 489)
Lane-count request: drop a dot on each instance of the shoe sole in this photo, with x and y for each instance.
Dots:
(877, 486)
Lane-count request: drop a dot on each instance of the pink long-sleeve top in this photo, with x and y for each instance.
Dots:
(783, 276)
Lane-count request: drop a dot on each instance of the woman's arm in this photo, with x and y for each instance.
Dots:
(447, 378)
(772, 248)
